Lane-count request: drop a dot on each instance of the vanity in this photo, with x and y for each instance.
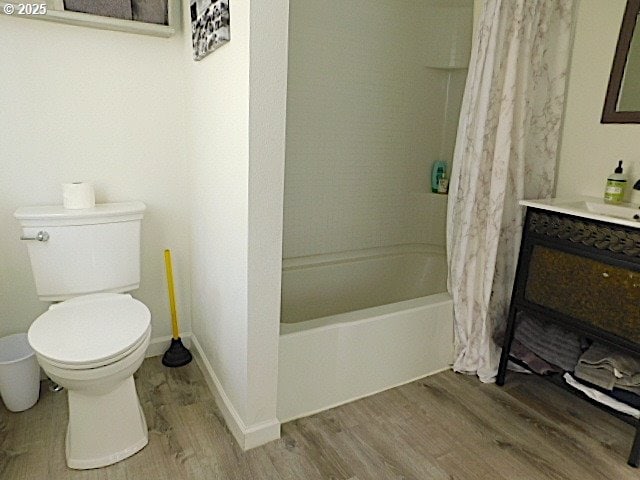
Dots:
(579, 267)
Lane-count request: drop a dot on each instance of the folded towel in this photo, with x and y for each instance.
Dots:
(104, 8)
(550, 342)
(608, 368)
(533, 361)
(150, 11)
(601, 397)
(625, 396)
(601, 377)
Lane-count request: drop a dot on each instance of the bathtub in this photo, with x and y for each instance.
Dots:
(356, 323)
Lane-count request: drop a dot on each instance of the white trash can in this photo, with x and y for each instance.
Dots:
(19, 373)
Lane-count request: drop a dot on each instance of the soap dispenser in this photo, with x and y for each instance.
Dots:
(616, 185)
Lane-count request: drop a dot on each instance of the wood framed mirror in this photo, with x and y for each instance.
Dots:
(622, 102)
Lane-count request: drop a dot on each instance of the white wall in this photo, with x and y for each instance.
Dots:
(267, 129)
(364, 125)
(237, 107)
(219, 152)
(590, 150)
(93, 105)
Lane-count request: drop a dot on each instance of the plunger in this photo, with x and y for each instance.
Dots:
(177, 355)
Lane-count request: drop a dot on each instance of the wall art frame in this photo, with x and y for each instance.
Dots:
(210, 26)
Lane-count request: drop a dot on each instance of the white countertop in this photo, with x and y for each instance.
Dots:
(590, 207)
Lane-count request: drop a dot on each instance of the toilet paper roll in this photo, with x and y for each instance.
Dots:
(78, 195)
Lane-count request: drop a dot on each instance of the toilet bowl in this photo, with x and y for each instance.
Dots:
(92, 345)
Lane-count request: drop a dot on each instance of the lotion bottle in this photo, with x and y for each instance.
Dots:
(443, 184)
(616, 186)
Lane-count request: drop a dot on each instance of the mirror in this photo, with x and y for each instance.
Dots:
(622, 103)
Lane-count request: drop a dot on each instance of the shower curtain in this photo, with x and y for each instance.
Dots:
(506, 150)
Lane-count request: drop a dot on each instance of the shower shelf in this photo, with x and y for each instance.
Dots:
(441, 67)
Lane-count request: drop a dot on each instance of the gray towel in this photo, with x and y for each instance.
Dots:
(533, 361)
(608, 368)
(104, 8)
(550, 342)
(150, 11)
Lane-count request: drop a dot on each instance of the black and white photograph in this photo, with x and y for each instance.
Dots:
(209, 26)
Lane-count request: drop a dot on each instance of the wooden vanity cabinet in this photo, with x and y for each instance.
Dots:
(584, 275)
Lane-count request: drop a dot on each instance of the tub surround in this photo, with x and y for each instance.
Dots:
(366, 118)
(371, 104)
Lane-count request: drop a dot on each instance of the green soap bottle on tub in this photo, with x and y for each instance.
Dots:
(438, 171)
(616, 185)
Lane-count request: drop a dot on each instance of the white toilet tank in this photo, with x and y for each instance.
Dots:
(77, 252)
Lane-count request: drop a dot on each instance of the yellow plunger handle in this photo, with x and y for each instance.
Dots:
(172, 298)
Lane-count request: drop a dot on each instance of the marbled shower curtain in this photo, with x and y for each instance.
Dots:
(506, 150)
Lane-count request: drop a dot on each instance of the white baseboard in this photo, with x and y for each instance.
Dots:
(247, 436)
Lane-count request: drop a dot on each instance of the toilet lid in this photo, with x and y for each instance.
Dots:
(90, 330)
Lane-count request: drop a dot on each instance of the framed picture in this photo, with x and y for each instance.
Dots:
(148, 17)
(209, 26)
(148, 11)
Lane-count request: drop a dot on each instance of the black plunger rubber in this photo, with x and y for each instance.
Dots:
(177, 355)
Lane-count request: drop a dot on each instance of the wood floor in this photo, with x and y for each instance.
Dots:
(447, 426)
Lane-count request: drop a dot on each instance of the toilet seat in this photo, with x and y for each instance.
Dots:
(90, 331)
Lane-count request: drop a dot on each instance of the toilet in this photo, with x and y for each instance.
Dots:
(94, 337)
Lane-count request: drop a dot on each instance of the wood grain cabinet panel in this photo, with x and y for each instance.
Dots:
(603, 295)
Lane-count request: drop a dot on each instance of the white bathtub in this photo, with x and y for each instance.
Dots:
(357, 323)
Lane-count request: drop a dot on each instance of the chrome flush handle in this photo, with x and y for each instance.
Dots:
(41, 236)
